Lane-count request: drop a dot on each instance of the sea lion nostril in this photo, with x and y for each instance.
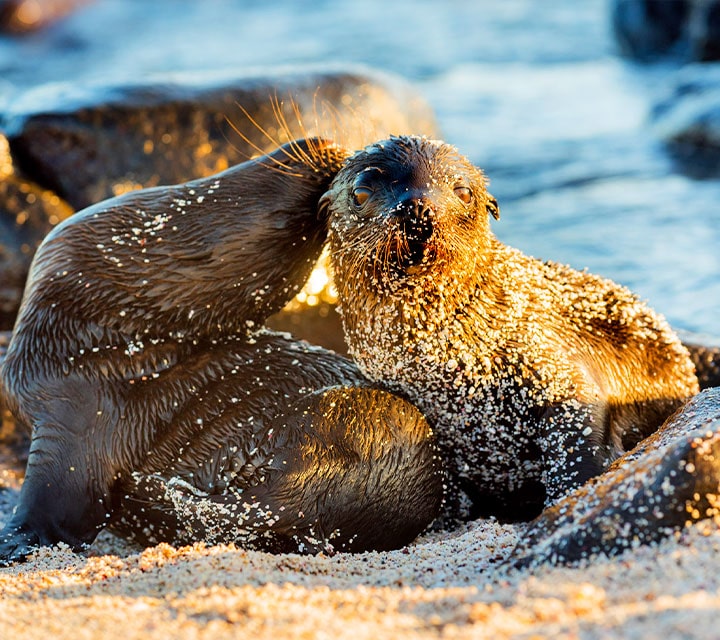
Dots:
(415, 209)
(424, 213)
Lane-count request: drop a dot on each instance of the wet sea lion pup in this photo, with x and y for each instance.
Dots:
(158, 404)
(534, 376)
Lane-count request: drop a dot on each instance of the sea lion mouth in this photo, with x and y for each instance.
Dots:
(414, 247)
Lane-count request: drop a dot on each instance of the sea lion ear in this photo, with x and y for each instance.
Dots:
(493, 209)
(323, 206)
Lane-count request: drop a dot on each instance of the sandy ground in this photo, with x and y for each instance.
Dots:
(443, 586)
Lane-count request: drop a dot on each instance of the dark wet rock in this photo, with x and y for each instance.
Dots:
(669, 480)
(705, 354)
(87, 143)
(647, 29)
(687, 30)
(27, 213)
(687, 120)
(22, 16)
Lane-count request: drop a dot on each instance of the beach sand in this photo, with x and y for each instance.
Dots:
(450, 585)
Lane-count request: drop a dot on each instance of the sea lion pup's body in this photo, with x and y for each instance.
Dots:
(534, 376)
(156, 403)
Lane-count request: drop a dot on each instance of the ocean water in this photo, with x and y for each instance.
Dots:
(532, 91)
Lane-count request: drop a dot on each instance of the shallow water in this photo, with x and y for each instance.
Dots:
(532, 91)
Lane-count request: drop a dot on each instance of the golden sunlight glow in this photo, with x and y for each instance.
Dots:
(319, 289)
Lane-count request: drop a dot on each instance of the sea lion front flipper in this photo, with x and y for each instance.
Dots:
(17, 543)
(65, 495)
(571, 439)
(52, 509)
(670, 479)
(343, 469)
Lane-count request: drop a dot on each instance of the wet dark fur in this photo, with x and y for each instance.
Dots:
(534, 376)
(137, 360)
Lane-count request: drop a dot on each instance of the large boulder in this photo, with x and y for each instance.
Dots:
(683, 29)
(90, 142)
(670, 480)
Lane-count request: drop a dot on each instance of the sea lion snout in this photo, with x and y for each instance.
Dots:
(416, 219)
(415, 207)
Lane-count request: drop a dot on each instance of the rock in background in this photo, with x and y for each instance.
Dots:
(650, 29)
(91, 142)
(23, 16)
(687, 118)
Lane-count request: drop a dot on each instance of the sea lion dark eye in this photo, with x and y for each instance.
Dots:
(464, 194)
(360, 195)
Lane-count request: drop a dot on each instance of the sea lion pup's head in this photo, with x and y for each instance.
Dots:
(404, 211)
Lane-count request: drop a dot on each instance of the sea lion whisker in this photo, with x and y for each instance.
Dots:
(353, 246)
(300, 155)
(276, 165)
(352, 119)
(314, 149)
(277, 109)
(331, 113)
(321, 151)
(259, 127)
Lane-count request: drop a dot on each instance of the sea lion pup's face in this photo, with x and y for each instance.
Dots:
(404, 211)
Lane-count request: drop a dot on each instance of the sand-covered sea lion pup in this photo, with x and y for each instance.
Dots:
(534, 376)
(159, 405)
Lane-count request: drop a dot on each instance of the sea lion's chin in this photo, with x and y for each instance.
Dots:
(419, 260)
(410, 266)
(416, 270)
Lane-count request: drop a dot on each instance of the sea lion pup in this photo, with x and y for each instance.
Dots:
(534, 376)
(138, 361)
